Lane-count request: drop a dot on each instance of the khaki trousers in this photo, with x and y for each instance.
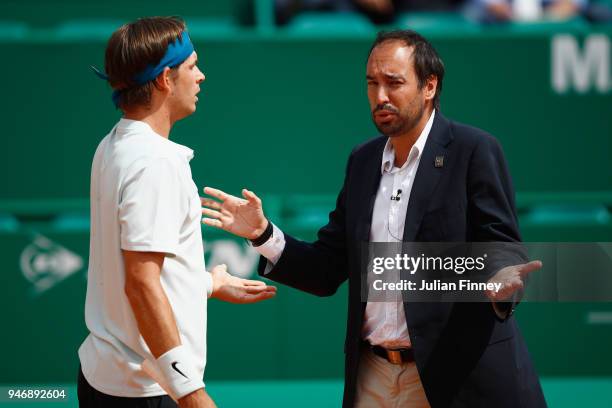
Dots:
(381, 384)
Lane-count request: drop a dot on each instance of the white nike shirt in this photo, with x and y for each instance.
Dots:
(143, 198)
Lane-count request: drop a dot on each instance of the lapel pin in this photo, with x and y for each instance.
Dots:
(439, 162)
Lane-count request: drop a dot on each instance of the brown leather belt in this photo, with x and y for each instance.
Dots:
(394, 356)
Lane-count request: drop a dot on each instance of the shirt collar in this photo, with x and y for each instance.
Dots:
(388, 156)
(126, 125)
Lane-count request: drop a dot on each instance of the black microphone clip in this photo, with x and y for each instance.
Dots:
(397, 197)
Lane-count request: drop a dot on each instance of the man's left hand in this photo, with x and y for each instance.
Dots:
(512, 280)
(236, 290)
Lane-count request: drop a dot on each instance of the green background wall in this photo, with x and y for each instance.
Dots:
(279, 113)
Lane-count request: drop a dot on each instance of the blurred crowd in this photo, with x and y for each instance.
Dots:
(482, 11)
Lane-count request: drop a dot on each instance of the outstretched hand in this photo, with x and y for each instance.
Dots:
(242, 217)
(236, 290)
(512, 279)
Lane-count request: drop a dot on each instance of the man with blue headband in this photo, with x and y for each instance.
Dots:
(147, 284)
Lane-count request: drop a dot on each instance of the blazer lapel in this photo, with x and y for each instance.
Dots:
(369, 182)
(431, 167)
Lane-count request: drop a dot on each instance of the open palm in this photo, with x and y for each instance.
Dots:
(240, 216)
(512, 279)
(233, 289)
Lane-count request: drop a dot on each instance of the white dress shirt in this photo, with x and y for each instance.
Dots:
(384, 322)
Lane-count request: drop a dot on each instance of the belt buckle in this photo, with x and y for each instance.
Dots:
(394, 356)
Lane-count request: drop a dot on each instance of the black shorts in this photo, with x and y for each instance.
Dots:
(89, 397)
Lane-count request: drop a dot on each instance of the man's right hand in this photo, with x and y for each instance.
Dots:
(242, 217)
(197, 399)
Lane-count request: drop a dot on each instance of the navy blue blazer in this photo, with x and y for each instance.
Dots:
(466, 355)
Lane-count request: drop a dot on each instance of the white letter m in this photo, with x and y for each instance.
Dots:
(571, 67)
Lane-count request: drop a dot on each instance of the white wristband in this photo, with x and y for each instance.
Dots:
(180, 376)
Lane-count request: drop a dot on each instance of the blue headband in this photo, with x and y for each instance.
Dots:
(177, 52)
